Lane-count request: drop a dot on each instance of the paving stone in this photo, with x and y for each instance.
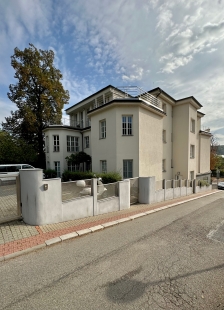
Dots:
(69, 236)
(137, 216)
(83, 232)
(108, 224)
(53, 241)
(95, 228)
(126, 219)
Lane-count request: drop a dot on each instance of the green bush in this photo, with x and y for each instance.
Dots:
(50, 174)
(109, 177)
(203, 183)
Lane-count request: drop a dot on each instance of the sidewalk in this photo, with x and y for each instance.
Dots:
(17, 238)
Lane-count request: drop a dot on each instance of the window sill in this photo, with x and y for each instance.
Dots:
(192, 157)
(102, 138)
(127, 135)
(164, 170)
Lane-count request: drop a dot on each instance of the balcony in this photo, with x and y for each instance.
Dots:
(126, 92)
(76, 124)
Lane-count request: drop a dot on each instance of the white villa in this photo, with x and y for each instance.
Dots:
(135, 133)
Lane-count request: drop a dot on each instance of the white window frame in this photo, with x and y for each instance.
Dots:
(127, 125)
(127, 168)
(192, 151)
(86, 139)
(103, 166)
(57, 168)
(103, 133)
(192, 128)
(56, 143)
(72, 144)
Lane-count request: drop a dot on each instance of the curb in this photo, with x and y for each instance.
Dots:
(93, 229)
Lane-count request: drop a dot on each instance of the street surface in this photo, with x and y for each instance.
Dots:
(173, 259)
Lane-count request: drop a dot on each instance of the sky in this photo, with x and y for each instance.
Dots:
(175, 45)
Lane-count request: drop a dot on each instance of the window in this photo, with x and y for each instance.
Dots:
(72, 144)
(192, 151)
(164, 107)
(164, 136)
(127, 168)
(103, 166)
(164, 165)
(103, 129)
(86, 141)
(47, 144)
(73, 167)
(193, 125)
(192, 175)
(126, 125)
(56, 143)
(57, 168)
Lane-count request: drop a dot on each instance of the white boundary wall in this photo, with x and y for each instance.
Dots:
(42, 200)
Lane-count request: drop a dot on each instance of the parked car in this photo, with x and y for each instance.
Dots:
(221, 185)
(10, 171)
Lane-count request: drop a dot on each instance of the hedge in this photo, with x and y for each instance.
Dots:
(109, 177)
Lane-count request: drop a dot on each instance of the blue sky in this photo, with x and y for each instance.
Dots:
(176, 45)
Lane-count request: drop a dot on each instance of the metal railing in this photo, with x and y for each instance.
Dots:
(10, 200)
(135, 91)
(107, 190)
(76, 189)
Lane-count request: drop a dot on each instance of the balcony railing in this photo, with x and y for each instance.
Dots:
(77, 124)
(135, 91)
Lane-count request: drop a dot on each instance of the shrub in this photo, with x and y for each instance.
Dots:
(50, 174)
(203, 183)
(109, 177)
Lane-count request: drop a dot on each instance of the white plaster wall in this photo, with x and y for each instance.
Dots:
(77, 208)
(181, 151)
(127, 146)
(52, 156)
(159, 195)
(40, 206)
(87, 150)
(115, 148)
(150, 144)
(169, 194)
(103, 149)
(108, 205)
(168, 146)
(204, 153)
(193, 141)
(198, 123)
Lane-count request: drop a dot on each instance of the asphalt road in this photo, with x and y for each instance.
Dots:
(173, 259)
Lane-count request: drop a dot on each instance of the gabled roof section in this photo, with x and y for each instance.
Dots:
(158, 91)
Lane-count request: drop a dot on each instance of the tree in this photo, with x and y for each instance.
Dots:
(214, 158)
(79, 158)
(14, 150)
(38, 95)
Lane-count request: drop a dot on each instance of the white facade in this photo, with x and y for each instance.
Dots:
(150, 134)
